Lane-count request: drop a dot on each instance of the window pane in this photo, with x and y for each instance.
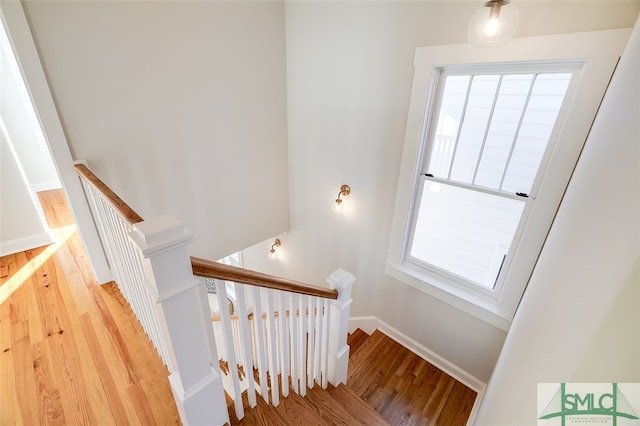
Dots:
(499, 139)
(514, 90)
(537, 124)
(453, 99)
(465, 232)
(474, 126)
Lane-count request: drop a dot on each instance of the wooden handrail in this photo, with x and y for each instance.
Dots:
(122, 208)
(210, 269)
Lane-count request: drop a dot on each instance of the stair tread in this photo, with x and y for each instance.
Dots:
(262, 414)
(298, 411)
(329, 408)
(355, 340)
(359, 409)
(366, 367)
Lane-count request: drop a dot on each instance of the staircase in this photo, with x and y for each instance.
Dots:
(292, 335)
(387, 384)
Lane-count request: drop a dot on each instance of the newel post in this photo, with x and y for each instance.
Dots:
(195, 383)
(342, 281)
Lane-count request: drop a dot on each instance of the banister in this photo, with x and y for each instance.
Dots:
(122, 208)
(202, 267)
(210, 269)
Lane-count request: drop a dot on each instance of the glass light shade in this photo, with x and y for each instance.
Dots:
(337, 206)
(493, 25)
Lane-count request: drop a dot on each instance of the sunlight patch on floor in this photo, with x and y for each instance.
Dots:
(60, 236)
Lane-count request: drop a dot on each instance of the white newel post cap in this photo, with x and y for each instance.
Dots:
(342, 281)
(158, 234)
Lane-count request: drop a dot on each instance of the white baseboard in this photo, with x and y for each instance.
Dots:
(370, 323)
(476, 406)
(26, 243)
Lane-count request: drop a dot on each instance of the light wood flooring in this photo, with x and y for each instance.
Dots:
(70, 350)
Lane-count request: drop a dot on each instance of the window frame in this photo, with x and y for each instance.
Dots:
(598, 53)
(430, 127)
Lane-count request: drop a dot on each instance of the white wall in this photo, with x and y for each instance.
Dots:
(349, 71)
(579, 320)
(179, 106)
(20, 225)
(21, 124)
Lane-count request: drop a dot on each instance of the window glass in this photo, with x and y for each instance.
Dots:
(492, 132)
(465, 232)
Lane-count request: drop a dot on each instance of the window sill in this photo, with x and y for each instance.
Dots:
(471, 304)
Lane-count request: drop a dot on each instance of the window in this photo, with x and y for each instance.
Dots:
(490, 134)
(491, 140)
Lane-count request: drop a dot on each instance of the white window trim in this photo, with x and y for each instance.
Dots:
(599, 51)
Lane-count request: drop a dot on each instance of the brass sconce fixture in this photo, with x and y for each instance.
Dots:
(274, 248)
(344, 191)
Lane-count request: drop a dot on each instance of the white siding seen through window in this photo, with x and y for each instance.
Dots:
(491, 134)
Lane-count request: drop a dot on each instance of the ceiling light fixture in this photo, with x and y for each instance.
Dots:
(493, 24)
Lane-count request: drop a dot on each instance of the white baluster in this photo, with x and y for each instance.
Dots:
(284, 343)
(220, 346)
(325, 342)
(261, 349)
(302, 343)
(272, 354)
(319, 335)
(209, 331)
(245, 333)
(221, 290)
(293, 324)
(311, 340)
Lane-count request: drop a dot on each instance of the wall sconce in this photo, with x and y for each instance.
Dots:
(274, 249)
(338, 202)
(493, 24)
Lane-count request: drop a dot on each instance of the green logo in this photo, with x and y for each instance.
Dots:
(584, 405)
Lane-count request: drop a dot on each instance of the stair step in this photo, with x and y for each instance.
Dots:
(262, 414)
(358, 409)
(366, 367)
(355, 341)
(404, 388)
(331, 406)
(339, 406)
(299, 411)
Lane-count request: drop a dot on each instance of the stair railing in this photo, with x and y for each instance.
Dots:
(115, 220)
(289, 332)
(282, 332)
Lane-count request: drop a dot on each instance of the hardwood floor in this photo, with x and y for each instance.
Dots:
(402, 387)
(71, 351)
(387, 385)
